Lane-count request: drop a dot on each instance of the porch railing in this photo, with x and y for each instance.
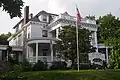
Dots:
(42, 58)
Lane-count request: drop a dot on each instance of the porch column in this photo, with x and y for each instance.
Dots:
(27, 52)
(51, 49)
(107, 54)
(36, 52)
(95, 39)
(57, 33)
(0, 54)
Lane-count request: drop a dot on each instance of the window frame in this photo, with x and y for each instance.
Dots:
(44, 33)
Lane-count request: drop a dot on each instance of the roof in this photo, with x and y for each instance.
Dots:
(18, 23)
(35, 18)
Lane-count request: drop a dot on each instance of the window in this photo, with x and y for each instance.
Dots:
(19, 39)
(44, 33)
(28, 35)
(44, 18)
(44, 52)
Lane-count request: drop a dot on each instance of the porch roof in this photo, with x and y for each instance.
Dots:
(42, 40)
(14, 48)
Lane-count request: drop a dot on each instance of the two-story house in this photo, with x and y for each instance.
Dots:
(42, 32)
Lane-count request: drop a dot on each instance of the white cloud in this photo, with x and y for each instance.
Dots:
(55, 7)
(86, 7)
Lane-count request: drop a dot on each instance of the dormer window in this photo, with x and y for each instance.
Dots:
(44, 18)
(44, 33)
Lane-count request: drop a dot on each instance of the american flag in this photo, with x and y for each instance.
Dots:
(78, 17)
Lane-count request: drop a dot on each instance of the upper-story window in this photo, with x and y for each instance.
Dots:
(44, 33)
(29, 35)
(17, 28)
(44, 18)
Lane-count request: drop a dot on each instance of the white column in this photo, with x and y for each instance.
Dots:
(57, 33)
(0, 54)
(95, 39)
(51, 49)
(107, 54)
(27, 52)
(30, 54)
(36, 52)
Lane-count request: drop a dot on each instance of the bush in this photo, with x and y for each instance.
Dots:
(83, 66)
(96, 66)
(12, 76)
(111, 65)
(26, 66)
(16, 68)
(40, 66)
(58, 65)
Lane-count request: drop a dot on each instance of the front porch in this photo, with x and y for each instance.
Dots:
(41, 51)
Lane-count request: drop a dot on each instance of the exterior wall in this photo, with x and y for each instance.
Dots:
(17, 40)
(36, 30)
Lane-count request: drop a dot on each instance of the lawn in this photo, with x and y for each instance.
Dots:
(73, 75)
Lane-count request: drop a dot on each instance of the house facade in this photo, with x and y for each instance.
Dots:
(41, 33)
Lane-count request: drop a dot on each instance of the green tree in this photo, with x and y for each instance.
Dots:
(67, 44)
(91, 17)
(13, 7)
(110, 35)
(4, 37)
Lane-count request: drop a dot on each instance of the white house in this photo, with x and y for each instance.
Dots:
(42, 32)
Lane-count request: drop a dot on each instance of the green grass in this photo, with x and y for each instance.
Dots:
(73, 75)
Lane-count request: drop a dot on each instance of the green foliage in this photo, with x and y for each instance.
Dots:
(67, 44)
(26, 66)
(110, 29)
(4, 37)
(39, 66)
(70, 75)
(13, 7)
(91, 17)
(10, 64)
(16, 68)
(58, 65)
(115, 63)
(12, 76)
(110, 35)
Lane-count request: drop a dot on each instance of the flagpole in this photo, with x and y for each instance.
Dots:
(77, 46)
(78, 63)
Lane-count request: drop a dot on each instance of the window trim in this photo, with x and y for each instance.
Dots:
(44, 33)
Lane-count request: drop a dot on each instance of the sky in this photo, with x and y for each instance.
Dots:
(86, 7)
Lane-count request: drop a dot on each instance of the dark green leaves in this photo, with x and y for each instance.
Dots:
(67, 45)
(13, 7)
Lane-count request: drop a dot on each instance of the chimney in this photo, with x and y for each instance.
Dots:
(31, 16)
(26, 14)
(26, 19)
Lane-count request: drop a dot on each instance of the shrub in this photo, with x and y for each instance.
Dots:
(26, 66)
(39, 66)
(16, 68)
(96, 66)
(111, 65)
(83, 66)
(58, 65)
(12, 76)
